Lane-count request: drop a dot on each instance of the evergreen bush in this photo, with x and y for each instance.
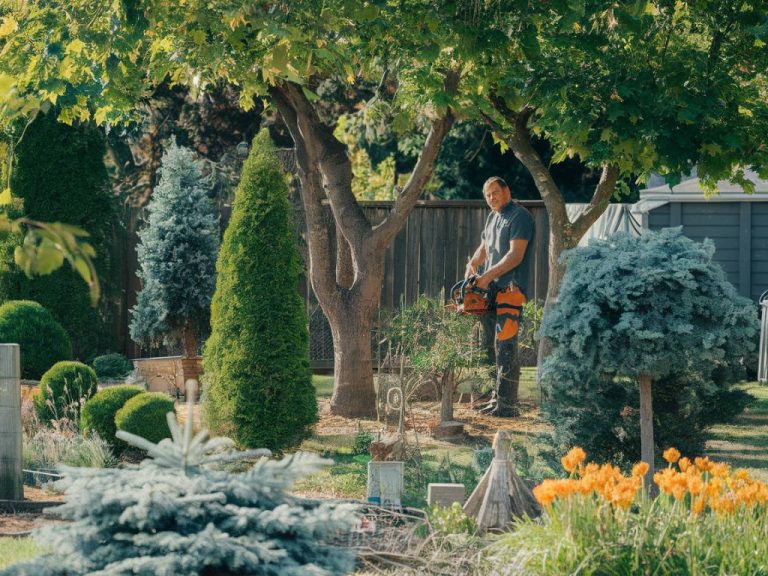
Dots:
(61, 177)
(180, 513)
(42, 339)
(144, 415)
(258, 383)
(112, 365)
(100, 410)
(177, 255)
(63, 389)
(656, 305)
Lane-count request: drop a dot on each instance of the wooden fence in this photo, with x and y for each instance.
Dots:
(428, 256)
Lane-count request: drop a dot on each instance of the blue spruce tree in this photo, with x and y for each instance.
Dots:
(178, 513)
(177, 256)
(655, 311)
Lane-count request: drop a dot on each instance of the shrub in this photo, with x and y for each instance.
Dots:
(655, 306)
(62, 390)
(177, 255)
(112, 366)
(145, 416)
(446, 520)
(177, 514)
(362, 443)
(99, 412)
(42, 340)
(258, 386)
(70, 186)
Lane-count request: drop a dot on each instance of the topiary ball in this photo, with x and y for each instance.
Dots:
(99, 412)
(62, 391)
(42, 340)
(112, 365)
(144, 415)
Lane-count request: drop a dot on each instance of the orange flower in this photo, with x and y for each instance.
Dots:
(671, 455)
(684, 464)
(640, 469)
(572, 460)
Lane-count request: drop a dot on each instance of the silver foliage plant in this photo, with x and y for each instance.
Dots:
(176, 513)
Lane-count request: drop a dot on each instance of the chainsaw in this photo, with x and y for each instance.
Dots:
(468, 298)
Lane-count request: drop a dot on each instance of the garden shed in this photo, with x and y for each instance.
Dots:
(735, 221)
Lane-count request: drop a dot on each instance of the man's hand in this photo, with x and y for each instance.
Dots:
(483, 282)
(469, 270)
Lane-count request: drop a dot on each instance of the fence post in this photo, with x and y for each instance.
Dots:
(11, 486)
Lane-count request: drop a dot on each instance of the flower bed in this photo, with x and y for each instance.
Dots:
(707, 519)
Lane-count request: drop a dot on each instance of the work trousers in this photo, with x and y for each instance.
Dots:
(501, 328)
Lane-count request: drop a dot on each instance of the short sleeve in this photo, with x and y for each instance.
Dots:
(521, 226)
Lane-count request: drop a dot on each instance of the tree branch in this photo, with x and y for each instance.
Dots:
(519, 141)
(600, 200)
(334, 166)
(385, 232)
(321, 271)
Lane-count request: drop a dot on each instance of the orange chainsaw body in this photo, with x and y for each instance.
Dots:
(466, 298)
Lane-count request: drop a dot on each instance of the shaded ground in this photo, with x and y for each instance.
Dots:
(744, 444)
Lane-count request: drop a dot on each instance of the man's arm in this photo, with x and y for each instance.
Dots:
(477, 260)
(511, 260)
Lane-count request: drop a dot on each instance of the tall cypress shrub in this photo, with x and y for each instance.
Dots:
(61, 177)
(177, 256)
(258, 383)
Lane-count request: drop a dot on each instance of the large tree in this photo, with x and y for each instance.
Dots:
(103, 61)
(627, 87)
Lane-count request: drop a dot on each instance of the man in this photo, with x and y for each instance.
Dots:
(503, 254)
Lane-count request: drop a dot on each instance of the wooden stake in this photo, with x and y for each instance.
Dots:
(11, 486)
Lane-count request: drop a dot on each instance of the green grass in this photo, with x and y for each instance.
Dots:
(323, 386)
(529, 390)
(14, 550)
(744, 443)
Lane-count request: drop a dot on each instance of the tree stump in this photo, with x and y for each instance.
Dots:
(388, 450)
(11, 484)
(501, 494)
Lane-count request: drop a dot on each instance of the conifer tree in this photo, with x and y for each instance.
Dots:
(178, 512)
(61, 177)
(656, 308)
(177, 256)
(259, 389)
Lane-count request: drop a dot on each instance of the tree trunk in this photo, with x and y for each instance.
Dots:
(448, 388)
(559, 241)
(646, 428)
(349, 292)
(189, 364)
(353, 392)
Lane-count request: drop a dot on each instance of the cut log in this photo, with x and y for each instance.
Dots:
(501, 494)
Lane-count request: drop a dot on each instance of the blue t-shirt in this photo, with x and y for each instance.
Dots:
(513, 222)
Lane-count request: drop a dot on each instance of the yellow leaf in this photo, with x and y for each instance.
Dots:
(101, 114)
(6, 197)
(75, 47)
(9, 26)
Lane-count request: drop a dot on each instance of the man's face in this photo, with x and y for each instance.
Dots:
(497, 196)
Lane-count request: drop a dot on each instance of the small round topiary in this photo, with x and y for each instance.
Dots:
(144, 415)
(99, 412)
(62, 390)
(112, 365)
(42, 340)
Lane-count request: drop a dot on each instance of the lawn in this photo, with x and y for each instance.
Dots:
(14, 550)
(744, 444)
